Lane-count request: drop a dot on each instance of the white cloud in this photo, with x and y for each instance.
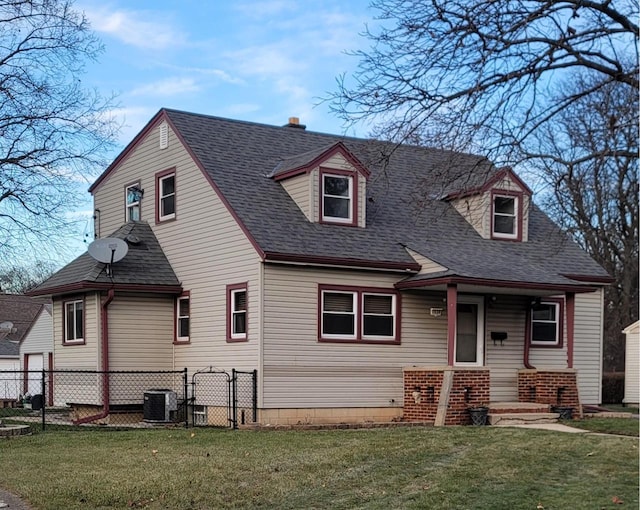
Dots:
(167, 87)
(135, 28)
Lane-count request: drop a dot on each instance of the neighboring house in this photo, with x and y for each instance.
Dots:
(362, 280)
(36, 349)
(632, 364)
(25, 315)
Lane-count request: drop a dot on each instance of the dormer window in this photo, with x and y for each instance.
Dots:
(337, 198)
(506, 216)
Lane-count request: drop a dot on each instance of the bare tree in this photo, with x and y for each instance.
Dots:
(54, 132)
(588, 159)
(18, 279)
(479, 73)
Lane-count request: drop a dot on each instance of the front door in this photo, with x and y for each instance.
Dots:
(469, 348)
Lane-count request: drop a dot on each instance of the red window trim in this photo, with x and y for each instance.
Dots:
(518, 195)
(65, 342)
(529, 328)
(176, 338)
(360, 291)
(237, 286)
(354, 197)
(161, 175)
(138, 183)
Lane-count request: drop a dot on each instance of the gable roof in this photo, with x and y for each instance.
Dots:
(404, 205)
(22, 312)
(144, 268)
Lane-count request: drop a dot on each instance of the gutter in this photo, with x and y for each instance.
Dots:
(104, 349)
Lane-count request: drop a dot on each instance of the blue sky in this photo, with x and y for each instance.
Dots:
(255, 60)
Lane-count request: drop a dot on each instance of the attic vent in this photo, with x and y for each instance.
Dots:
(164, 136)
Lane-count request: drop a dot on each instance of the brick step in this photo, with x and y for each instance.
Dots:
(504, 419)
(517, 407)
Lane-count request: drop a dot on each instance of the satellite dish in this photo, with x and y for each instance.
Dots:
(108, 249)
(6, 326)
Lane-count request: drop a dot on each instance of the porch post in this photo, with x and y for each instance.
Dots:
(452, 312)
(571, 312)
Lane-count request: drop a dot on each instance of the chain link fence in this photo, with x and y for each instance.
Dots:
(128, 398)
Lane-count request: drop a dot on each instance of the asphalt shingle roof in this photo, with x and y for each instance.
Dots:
(22, 311)
(145, 264)
(404, 206)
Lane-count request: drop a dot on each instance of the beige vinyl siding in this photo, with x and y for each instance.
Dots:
(505, 314)
(299, 371)
(475, 209)
(39, 339)
(140, 333)
(83, 356)
(205, 246)
(587, 350)
(427, 265)
(299, 190)
(632, 365)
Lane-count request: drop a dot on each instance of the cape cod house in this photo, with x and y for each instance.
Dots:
(364, 281)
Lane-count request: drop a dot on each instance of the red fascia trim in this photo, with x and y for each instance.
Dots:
(336, 261)
(493, 283)
(527, 335)
(64, 320)
(571, 316)
(85, 286)
(335, 149)
(560, 343)
(359, 291)
(25, 375)
(231, 287)
(185, 293)
(156, 119)
(452, 313)
(519, 196)
(591, 279)
(222, 198)
(500, 174)
(50, 389)
(158, 176)
(354, 197)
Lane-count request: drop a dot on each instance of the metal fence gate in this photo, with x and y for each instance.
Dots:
(223, 399)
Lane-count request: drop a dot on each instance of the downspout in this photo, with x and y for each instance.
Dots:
(527, 340)
(104, 317)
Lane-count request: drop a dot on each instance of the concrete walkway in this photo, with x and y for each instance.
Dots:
(11, 502)
(557, 427)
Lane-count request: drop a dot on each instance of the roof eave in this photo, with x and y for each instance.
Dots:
(89, 286)
(341, 262)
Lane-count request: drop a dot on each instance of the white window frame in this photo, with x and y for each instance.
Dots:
(393, 315)
(161, 197)
(74, 303)
(129, 206)
(182, 317)
(354, 313)
(233, 312)
(516, 205)
(557, 323)
(337, 219)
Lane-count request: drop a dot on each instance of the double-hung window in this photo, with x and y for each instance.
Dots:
(358, 314)
(133, 194)
(166, 196)
(337, 198)
(546, 324)
(505, 216)
(237, 312)
(74, 321)
(183, 316)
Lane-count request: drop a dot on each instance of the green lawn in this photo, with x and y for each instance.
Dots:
(621, 426)
(432, 468)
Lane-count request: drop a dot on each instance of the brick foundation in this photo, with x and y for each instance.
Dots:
(549, 386)
(423, 393)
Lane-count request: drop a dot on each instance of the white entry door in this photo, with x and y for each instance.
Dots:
(469, 348)
(36, 362)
